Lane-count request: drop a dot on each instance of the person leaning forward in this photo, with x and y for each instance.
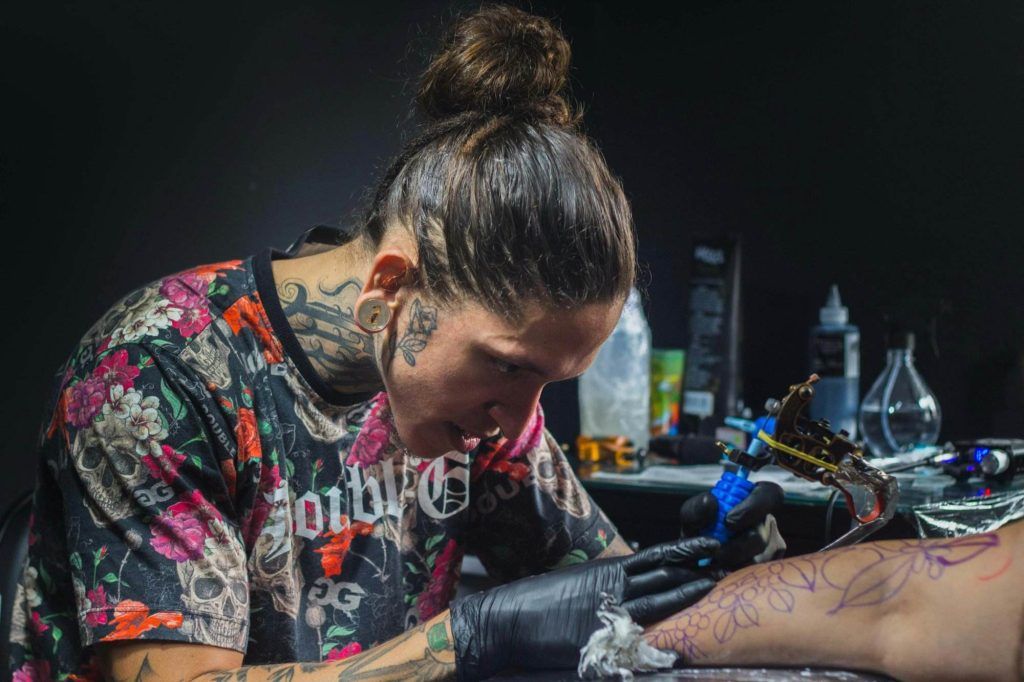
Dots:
(272, 467)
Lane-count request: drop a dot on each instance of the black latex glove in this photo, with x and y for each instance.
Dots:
(744, 520)
(543, 621)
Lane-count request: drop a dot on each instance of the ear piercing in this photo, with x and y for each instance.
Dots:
(373, 315)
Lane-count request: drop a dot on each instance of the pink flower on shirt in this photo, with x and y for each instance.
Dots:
(185, 290)
(194, 504)
(97, 600)
(37, 670)
(443, 580)
(178, 537)
(164, 467)
(85, 400)
(372, 441)
(350, 649)
(192, 321)
(114, 370)
(37, 626)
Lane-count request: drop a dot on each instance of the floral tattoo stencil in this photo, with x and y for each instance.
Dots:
(880, 573)
(422, 323)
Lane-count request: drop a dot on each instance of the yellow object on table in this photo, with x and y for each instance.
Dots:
(613, 449)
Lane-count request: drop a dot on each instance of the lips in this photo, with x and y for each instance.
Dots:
(463, 440)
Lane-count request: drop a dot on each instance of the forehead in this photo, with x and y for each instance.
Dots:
(559, 342)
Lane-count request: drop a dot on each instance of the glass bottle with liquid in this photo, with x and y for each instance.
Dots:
(900, 412)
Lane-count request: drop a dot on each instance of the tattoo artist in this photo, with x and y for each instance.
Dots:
(271, 468)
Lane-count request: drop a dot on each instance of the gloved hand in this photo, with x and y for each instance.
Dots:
(756, 536)
(543, 621)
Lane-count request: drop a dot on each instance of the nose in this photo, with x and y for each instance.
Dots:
(514, 415)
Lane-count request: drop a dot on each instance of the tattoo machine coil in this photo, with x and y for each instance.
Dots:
(811, 450)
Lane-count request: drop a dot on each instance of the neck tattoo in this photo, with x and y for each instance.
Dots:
(325, 326)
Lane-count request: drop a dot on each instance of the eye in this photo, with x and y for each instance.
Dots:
(505, 367)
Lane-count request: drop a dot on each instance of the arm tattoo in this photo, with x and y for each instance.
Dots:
(437, 662)
(437, 637)
(227, 677)
(325, 326)
(428, 667)
(146, 671)
(284, 674)
(422, 323)
(858, 576)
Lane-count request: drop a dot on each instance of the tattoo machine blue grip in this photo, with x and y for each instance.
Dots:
(733, 488)
(730, 490)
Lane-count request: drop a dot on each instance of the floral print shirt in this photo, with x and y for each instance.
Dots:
(198, 484)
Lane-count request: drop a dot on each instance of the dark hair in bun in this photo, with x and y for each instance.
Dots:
(507, 200)
(499, 60)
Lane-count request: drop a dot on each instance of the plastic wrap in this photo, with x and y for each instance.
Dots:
(955, 518)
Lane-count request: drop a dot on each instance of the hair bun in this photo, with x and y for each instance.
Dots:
(499, 60)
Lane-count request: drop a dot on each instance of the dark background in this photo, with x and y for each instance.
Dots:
(877, 145)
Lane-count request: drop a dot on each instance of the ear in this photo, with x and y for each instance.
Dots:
(390, 272)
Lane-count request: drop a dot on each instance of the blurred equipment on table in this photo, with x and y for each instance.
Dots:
(712, 383)
(687, 449)
(615, 391)
(835, 358)
(616, 451)
(994, 459)
(969, 515)
(666, 390)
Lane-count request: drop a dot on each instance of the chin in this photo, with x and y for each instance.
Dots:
(427, 448)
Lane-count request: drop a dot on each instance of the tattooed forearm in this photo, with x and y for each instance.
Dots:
(324, 323)
(437, 638)
(145, 671)
(429, 667)
(283, 674)
(422, 323)
(437, 661)
(425, 652)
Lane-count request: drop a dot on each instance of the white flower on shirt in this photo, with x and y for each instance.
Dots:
(146, 317)
(140, 417)
(163, 313)
(32, 587)
(122, 401)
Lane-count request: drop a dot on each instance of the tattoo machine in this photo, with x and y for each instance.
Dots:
(810, 450)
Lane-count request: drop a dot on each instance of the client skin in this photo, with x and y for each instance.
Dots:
(937, 609)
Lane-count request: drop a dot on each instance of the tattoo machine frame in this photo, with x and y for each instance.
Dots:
(810, 450)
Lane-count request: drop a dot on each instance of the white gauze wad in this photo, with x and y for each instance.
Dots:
(617, 647)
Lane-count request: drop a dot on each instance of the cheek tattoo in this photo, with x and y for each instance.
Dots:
(422, 323)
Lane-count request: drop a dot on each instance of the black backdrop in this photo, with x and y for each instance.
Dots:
(877, 145)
